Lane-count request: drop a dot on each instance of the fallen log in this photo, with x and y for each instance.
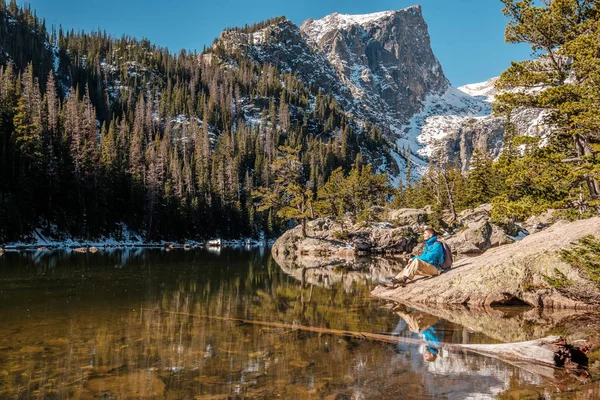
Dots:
(552, 351)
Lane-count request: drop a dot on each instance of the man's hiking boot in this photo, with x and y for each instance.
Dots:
(400, 282)
(396, 283)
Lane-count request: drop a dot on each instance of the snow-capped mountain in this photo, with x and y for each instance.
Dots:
(380, 68)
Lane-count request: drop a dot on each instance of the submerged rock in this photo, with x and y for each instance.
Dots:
(511, 324)
(529, 272)
(136, 385)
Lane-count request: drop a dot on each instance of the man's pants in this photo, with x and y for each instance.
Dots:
(418, 267)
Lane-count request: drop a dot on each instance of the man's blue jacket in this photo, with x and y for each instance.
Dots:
(433, 253)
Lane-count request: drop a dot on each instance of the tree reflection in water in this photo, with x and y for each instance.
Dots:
(150, 323)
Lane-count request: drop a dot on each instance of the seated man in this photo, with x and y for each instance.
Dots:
(429, 263)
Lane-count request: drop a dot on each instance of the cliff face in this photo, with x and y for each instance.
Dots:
(384, 59)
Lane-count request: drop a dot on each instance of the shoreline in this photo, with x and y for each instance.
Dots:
(93, 246)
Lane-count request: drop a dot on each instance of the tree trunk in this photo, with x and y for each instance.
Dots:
(583, 148)
(450, 195)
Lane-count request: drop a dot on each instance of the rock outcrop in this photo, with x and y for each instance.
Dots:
(476, 233)
(529, 272)
(328, 239)
(412, 217)
(384, 59)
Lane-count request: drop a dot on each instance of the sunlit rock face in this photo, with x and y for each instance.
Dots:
(384, 59)
(519, 273)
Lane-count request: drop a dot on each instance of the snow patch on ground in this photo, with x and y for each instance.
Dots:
(125, 238)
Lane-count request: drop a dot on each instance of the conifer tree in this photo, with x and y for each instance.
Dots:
(563, 35)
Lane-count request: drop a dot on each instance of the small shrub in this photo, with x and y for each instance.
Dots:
(573, 214)
(560, 281)
(585, 256)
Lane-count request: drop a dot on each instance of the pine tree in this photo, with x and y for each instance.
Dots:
(482, 184)
(564, 38)
(28, 124)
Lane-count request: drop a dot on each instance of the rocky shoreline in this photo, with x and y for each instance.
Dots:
(398, 236)
(530, 272)
(494, 265)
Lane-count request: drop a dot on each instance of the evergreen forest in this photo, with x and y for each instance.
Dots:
(99, 134)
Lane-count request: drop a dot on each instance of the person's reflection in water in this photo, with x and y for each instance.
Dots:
(423, 325)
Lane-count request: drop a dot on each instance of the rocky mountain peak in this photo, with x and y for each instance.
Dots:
(317, 29)
(384, 59)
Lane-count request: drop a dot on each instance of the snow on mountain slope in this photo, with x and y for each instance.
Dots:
(484, 90)
(381, 69)
(384, 61)
(441, 114)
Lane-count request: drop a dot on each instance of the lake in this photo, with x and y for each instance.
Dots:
(151, 323)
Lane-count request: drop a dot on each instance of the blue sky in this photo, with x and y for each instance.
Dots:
(467, 36)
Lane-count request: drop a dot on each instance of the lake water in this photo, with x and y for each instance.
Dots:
(144, 323)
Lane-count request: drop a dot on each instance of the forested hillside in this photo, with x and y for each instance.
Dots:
(98, 133)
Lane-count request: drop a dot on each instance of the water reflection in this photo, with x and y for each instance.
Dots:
(498, 325)
(342, 272)
(150, 323)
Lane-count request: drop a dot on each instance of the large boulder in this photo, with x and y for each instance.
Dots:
(384, 238)
(530, 272)
(476, 233)
(412, 217)
(540, 222)
(481, 213)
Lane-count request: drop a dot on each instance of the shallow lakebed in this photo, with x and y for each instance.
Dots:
(149, 323)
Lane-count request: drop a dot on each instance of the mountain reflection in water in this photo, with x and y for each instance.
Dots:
(146, 323)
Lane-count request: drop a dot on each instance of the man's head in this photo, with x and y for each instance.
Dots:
(429, 355)
(428, 233)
